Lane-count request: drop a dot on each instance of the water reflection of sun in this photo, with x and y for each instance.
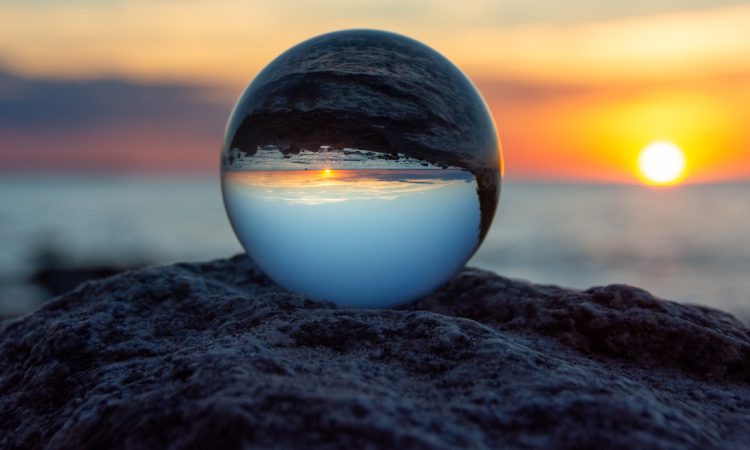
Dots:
(323, 186)
(662, 163)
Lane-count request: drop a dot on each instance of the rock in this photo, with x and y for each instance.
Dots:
(214, 355)
(59, 280)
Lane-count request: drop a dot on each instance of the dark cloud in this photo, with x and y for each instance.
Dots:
(45, 105)
(514, 90)
(109, 124)
(530, 91)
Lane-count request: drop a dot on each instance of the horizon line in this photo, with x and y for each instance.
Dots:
(205, 173)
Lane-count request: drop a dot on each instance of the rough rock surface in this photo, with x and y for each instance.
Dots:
(214, 355)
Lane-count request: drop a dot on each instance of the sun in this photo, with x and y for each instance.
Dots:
(661, 163)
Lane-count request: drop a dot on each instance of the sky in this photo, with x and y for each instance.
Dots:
(577, 88)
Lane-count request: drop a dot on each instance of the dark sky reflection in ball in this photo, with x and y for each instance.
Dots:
(361, 167)
(375, 91)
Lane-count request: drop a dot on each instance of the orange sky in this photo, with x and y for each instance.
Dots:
(577, 90)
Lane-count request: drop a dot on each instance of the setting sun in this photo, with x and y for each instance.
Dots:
(661, 163)
(326, 173)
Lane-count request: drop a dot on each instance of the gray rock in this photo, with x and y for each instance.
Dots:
(214, 355)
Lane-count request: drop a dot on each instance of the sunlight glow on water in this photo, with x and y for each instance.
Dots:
(367, 238)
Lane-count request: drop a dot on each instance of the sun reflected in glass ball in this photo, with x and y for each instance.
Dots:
(361, 167)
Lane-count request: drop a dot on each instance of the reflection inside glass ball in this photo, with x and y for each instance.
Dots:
(362, 168)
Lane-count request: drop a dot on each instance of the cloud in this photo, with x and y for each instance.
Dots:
(468, 12)
(108, 124)
(228, 41)
(506, 89)
(41, 105)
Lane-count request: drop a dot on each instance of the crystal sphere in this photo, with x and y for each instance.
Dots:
(361, 167)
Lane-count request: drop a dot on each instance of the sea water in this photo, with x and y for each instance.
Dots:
(372, 238)
(687, 243)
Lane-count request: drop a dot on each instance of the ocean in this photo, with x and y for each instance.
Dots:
(689, 244)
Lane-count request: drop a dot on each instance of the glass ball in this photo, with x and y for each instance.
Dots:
(361, 167)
